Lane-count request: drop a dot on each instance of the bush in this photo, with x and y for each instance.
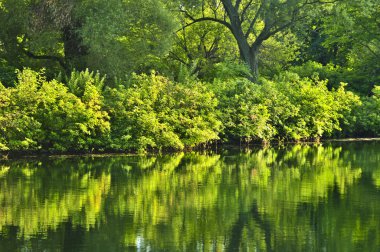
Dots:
(19, 130)
(244, 116)
(287, 108)
(43, 114)
(367, 116)
(320, 111)
(78, 82)
(7, 74)
(153, 112)
(360, 78)
(311, 69)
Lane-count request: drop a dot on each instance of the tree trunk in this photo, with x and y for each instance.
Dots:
(249, 54)
(254, 64)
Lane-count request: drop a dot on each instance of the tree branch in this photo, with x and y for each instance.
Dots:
(176, 57)
(45, 57)
(368, 47)
(283, 27)
(244, 11)
(194, 21)
(238, 2)
(254, 20)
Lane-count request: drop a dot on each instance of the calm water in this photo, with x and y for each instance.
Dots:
(298, 198)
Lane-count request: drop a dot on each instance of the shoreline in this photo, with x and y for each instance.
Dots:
(213, 148)
(364, 139)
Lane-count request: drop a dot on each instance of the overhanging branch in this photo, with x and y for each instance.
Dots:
(194, 21)
(253, 22)
(244, 11)
(45, 57)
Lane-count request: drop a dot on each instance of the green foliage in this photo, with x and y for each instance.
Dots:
(222, 42)
(78, 82)
(113, 37)
(306, 108)
(288, 108)
(242, 116)
(7, 73)
(346, 41)
(124, 36)
(356, 78)
(366, 121)
(227, 70)
(70, 123)
(203, 49)
(277, 54)
(37, 113)
(333, 74)
(154, 112)
(19, 130)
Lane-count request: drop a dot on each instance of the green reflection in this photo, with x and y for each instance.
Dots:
(376, 178)
(36, 198)
(4, 170)
(298, 198)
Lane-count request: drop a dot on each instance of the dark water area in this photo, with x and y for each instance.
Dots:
(296, 198)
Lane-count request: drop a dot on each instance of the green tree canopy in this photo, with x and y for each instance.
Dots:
(114, 37)
(251, 22)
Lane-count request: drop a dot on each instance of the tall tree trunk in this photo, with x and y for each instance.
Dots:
(254, 63)
(271, 16)
(249, 54)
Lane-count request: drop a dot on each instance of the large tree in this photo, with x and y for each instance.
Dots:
(357, 24)
(251, 22)
(114, 37)
(346, 43)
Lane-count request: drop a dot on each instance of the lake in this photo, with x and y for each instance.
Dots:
(294, 198)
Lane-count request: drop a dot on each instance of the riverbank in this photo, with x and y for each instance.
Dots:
(353, 139)
(210, 148)
(154, 113)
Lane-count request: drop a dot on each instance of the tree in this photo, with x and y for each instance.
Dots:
(358, 25)
(125, 36)
(345, 40)
(199, 48)
(251, 22)
(35, 33)
(114, 37)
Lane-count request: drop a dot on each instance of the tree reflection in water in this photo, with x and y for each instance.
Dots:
(296, 198)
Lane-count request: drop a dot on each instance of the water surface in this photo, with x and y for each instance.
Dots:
(296, 198)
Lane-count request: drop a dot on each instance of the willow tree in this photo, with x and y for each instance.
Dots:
(114, 37)
(251, 22)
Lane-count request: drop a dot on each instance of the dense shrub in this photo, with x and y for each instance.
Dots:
(79, 81)
(335, 74)
(19, 129)
(7, 74)
(316, 111)
(153, 112)
(37, 113)
(243, 114)
(311, 69)
(367, 116)
(288, 108)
